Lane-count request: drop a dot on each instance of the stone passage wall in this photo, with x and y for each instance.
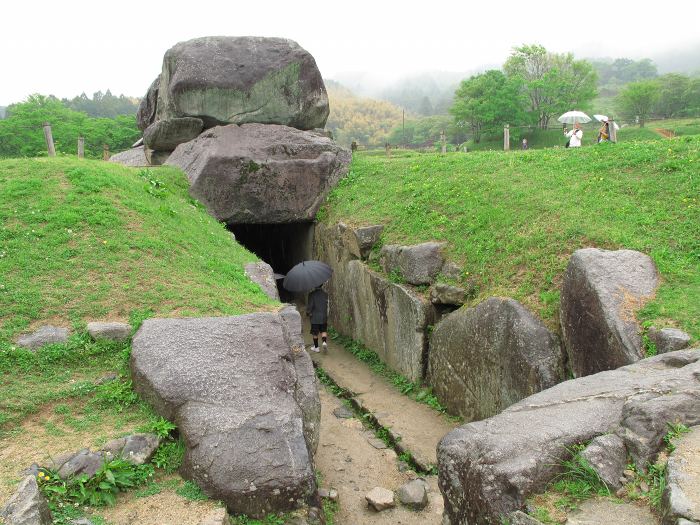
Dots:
(386, 317)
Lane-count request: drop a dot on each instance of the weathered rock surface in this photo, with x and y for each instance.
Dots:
(216, 517)
(242, 392)
(146, 114)
(442, 293)
(600, 294)
(165, 135)
(78, 463)
(45, 335)
(136, 448)
(388, 318)
(134, 157)
(608, 457)
(238, 80)
(603, 511)
(27, 506)
(668, 339)
(520, 518)
(486, 358)
(413, 494)
(361, 240)
(682, 495)
(488, 468)
(259, 173)
(417, 264)
(111, 331)
(380, 499)
(156, 158)
(262, 273)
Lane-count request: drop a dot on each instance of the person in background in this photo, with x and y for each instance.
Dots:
(575, 136)
(524, 145)
(317, 309)
(604, 132)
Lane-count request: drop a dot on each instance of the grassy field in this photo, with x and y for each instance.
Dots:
(87, 240)
(513, 219)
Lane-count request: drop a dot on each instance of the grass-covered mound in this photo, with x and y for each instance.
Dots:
(513, 219)
(88, 240)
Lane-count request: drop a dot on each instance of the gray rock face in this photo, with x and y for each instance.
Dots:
(165, 135)
(488, 468)
(262, 273)
(27, 506)
(216, 517)
(45, 335)
(156, 158)
(600, 294)
(417, 264)
(136, 448)
(78, 463)
(242, 392)
(668, 339)
(111, 331)
(520, 518)
(413, 494)
(380, 499)
(239, 80)
(486, 358)
(259, 173)
(388, 318)
(360, 241)
(608, 457)
(682, 495)
(442, 293)
(146, 114)
(134, 157)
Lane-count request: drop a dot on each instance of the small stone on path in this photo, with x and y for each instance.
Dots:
(27, 506)
(377, 443)
(380, 499)
(109, 331)
(414, 494)
(330, 494)
(343, 412)
(216, 517)
(43, 336)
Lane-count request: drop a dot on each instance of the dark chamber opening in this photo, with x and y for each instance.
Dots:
(279, 245)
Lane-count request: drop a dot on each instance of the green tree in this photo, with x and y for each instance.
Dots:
(487, 101)
(673, 95)
(637, 100)
(553, 83)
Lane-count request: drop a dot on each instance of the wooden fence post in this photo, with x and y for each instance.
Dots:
(506, 137)
(81, 147)
(49, 140)
(388, 149)
(612, 130)
(443, 142)
(105, 152)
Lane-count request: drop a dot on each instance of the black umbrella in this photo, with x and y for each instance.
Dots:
(306, 276)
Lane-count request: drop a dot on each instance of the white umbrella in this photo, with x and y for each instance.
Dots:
(602, 118)
(572, 117)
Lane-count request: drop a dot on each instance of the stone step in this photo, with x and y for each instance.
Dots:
(601, 511)
(417, 427)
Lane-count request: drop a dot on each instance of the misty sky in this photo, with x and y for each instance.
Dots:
(65, 48)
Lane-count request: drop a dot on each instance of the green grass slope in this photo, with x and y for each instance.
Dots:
(513, 219)
(88, 240)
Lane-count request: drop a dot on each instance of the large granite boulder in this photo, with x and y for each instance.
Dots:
(146, 113)
(488, 468)
(386, 317)
(238, 80)
(486, 358)
(134, 157)
(242, 392)
(257, 173)
(165, 135)
(600, 294)
(417, 264)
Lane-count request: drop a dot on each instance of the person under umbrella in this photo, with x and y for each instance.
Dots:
(575, 136)
(317, 310)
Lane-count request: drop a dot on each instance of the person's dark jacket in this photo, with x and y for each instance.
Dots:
(317, 306)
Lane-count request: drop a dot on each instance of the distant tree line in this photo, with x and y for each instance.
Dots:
(21, 132)
(103, 104)
(668, 96)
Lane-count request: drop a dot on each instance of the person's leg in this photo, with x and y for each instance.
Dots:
(314, 334)
(324, 338)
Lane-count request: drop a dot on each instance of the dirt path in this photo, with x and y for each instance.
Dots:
(665, 133)
(419, 426)
(348, 463)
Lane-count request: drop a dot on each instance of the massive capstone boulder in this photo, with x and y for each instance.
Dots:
(600, 294)
(238, 80)
(257, 173)
(486, 358)
(146, 113)
(242, 392)
(488, 468)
